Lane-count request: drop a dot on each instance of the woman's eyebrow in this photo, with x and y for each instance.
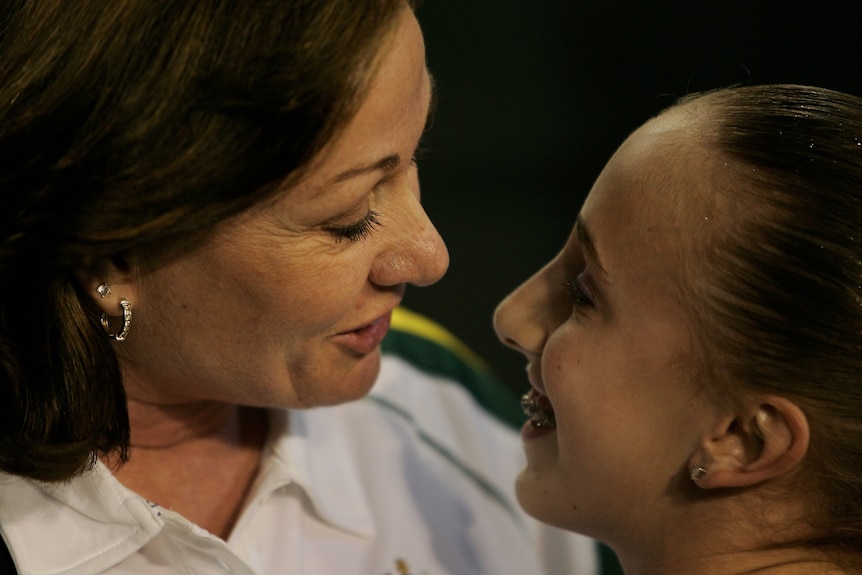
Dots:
(392, 161)
(386, 164)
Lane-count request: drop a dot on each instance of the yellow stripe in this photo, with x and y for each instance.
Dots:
(413, 323)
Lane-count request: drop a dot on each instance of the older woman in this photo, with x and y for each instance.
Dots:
(694, 349)
(213, 210)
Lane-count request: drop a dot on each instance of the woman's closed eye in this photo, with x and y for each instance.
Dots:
(358, 230)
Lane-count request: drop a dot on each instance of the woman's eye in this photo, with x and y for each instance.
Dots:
(356, 231)
(579, 295)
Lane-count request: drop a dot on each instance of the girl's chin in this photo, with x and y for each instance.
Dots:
(538, 502)
(534, 499)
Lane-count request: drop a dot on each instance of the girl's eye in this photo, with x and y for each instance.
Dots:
(579, 294)
(356, 231)
(418, 155)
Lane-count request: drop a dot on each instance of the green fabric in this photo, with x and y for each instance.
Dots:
(486, 389)
(436, 359)
(610, 563)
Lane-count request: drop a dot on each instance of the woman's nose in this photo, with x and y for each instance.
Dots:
(415, 254)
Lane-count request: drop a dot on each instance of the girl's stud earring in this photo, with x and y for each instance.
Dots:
(697, 472)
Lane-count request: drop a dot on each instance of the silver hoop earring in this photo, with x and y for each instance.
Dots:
(697, 472)
(127, 322)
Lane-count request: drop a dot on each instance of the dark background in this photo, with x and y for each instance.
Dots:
(535, 95)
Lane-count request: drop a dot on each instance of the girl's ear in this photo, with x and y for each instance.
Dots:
(107, 281)
(767, 438)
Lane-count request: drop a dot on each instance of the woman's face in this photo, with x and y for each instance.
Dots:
(288, 303)
(607, 341)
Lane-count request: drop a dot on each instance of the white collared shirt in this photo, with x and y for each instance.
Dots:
(415, 479)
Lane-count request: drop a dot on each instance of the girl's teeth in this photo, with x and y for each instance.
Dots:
(538, 409)
(529, 403)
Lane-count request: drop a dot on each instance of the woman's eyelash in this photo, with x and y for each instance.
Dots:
(577, 293)
(363, 228)
(356, 231)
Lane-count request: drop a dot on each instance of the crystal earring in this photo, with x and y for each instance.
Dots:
(697, 472)
(127, 322)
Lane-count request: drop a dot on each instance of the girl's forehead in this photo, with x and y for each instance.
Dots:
(656, 200)
(659, 170)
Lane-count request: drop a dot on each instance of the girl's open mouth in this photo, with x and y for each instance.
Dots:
(539, 409)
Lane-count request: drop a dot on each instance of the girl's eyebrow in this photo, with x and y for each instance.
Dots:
(586, 241)
(432, 103)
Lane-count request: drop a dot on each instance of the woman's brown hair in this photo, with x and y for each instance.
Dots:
(131, 125)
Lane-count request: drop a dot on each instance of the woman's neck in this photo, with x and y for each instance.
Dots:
(164, 427)
(199, 460)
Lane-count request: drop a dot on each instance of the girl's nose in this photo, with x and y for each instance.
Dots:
(517, 319)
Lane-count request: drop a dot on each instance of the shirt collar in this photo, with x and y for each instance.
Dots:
(107, 522)
(311, 449)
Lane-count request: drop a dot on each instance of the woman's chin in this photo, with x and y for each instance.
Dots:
(347, 384)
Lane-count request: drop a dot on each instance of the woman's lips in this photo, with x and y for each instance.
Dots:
(367, 338)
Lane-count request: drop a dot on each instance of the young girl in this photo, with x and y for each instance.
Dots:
(694, 350)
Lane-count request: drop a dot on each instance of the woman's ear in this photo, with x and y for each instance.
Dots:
(107, 281)
(767, 438)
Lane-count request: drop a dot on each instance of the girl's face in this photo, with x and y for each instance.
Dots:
(608, 344)
(287, 304)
